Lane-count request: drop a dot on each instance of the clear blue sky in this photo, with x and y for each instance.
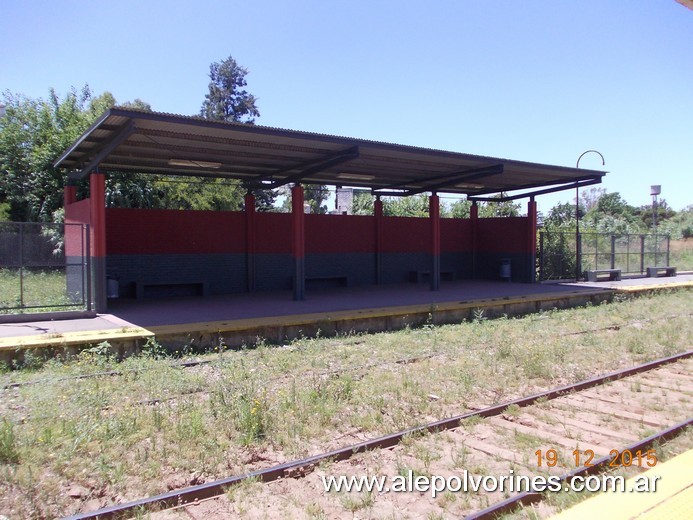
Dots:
(534, 80)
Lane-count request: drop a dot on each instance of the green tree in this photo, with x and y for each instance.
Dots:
(137, 104)
(663, 210)
(562, 217)
(613, 204)
(33, 132)
(313, 194)
(190, 193)
(612, 214)
(362, 203)
(461, 209)
(499, 209)
(227, 100)
(414, 206)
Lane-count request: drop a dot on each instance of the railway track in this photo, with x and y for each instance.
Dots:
(565, 433)
(220, 362)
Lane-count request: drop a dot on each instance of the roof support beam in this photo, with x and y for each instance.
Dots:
(449, 179)
(308, 169)
(106, 149)
(579, 184)
(470, 175)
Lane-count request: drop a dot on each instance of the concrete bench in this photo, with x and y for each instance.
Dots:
(654, 272)
(603, 275)
(328, 279)
(181, 286)
(420, 276)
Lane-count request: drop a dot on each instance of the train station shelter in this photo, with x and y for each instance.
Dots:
(154, 252)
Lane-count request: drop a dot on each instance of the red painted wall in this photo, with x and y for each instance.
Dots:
(503, 235)
(140, 231)
(406, 235)
(455, 235)
(76, 213)
(154, 231)
(273, 233)
(340, 234)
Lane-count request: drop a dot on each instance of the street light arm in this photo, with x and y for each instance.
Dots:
(577, 215)
(577, 165)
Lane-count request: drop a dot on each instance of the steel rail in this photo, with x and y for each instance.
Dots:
(193, 363)
(182, 497)
(529, 497)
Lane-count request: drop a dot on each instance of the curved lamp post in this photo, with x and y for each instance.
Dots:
(577, 215)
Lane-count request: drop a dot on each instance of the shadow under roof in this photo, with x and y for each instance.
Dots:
(126, 140)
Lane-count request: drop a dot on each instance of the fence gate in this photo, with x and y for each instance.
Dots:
(632, 254)
(44, 268)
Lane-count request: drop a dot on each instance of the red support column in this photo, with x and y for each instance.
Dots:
(378, 214)
(97, 208)
(250, 240)
(69, 195)
(474, 217)
(298, 241)
(532, 238)
(434, 215)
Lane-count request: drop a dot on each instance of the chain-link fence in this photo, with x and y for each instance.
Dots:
(44, 267)
(632, 254)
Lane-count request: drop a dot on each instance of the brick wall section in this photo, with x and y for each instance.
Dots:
(162, 245)
(406, 235)
(503, 234)
(340, 234)
(504, 238)
(273, 234)
(455, 235)
(76, 213)
(147, 232)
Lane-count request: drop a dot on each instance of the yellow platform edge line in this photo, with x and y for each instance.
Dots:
(676, 475)
(664, 285)
(297, 320)
(67, 339)
(293, 320)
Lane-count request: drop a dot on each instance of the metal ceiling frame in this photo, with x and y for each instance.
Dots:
(507, 198)
(452, 179)
(306, 169)
(111, 145)
(135, 141)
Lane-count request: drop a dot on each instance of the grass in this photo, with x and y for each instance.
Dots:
(36, 288)
(128, 435)
(681, 254)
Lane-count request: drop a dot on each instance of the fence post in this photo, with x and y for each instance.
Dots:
(613, 251)
(541, 255)
(578, 258)
(87, 256)
(668, 250)
(21, 264)
(642, 254)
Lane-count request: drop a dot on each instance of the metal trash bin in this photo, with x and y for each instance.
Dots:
(112, 289)
(505, 269)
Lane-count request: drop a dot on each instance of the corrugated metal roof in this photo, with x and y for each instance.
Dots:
(127, 140)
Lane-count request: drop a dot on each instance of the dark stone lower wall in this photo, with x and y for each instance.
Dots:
(76, 279)
(458, 263)
(223, 273)
(397, 267)
(273, 272)
(488, 266)
(226, 273)
(358, 267)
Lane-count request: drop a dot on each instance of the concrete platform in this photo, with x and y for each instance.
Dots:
(243, 318)
(673, 498)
